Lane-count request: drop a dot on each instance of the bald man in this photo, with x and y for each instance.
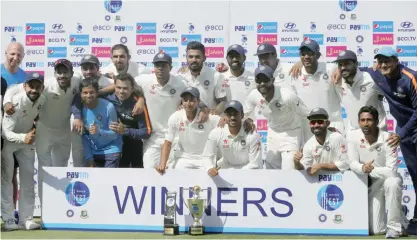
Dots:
(10, 69)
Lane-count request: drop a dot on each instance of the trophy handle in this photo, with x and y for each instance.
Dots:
(182, 196)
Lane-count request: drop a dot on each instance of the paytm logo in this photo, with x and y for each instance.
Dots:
(267, 27)
(77, 175)
(213, 40)
(57, 52)
(186, 38)
(407, 51)
(123, 28)
(290, 51)
(13, 29)
(145, 27)
(35, 28)
(79, 40)
(245, 28)
(359, 27)
(319, 38)
(330, 177)
(34, 64)
(336, 39)
(383, 26)
(171, 51)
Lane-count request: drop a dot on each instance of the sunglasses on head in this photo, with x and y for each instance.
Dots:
(317, 121)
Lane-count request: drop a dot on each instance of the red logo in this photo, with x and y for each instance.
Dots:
(383, 39)
(147, 40)
(267, 38)
(333, 51)
(215, 52)
(101, 52)
(35, 40)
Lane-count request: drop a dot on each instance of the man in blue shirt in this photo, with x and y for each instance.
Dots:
(10, 69)
(102, 146)
(399, 86)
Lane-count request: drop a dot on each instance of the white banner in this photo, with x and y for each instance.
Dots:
(286, 202)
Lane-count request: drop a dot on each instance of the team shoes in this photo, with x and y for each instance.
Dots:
(13, 224)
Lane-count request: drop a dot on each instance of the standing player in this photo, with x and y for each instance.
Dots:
(326, 150)
(240, 150)
(183, 124)
(315, 87)
(209, 82)
(284, 111)
(357, 89)
(369, 154)
(133, 128)
(162, 93)
(19, 135)
(102, 146)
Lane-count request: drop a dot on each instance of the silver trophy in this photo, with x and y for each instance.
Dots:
(170, 217)
(196, 206)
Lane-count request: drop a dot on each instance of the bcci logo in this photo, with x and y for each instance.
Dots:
(330, 197)
(77, 194)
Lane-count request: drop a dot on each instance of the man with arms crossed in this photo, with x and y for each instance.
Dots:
(240, 150)
(19, 135)
(284, 111)
(102, 146)
(183, 123)
(369, 154)
(326, 150)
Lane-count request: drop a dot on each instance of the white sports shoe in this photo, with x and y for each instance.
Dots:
(29, 225)
(10, 225)
(392, 234)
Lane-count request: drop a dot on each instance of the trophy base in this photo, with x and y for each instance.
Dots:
(171, 230)
(195, 231)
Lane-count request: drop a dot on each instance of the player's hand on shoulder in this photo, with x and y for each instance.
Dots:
(249, 126)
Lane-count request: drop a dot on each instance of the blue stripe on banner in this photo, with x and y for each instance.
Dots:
(127, 228)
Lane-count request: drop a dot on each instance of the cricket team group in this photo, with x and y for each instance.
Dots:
(128, 115)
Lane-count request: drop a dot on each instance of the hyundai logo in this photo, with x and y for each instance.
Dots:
(406, 24)
(290, 25)
(78, 50)
(169, 26)
(57, 26)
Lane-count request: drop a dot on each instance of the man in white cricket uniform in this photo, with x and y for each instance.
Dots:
(183, 123)
(369, 154)
(315, 87)
(19, 135)
(209, 82)
(326, 150)
(284, 111)
(357, 89)
(162, 92)
(240, 150)
(239, 82)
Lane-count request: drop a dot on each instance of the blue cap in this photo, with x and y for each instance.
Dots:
(235, 105)
(346, 55)
(310, 44)
(237, 48)
(34, 76)
(162, 57)
(318, 112)
(191, 90)
(265, 48)
(266, 70)
(387, 52)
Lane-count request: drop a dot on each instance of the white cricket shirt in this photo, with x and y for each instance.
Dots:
(317, 90)
(284, 112)
(238, 88)
(162, 101)
(332, 151)
(360, 151)
(242, 151)
(363, 92)
(191, 135)
(281, 75)
(16, 126)
(210, 84)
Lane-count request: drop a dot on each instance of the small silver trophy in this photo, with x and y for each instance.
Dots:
(170, 217)
(196, 206)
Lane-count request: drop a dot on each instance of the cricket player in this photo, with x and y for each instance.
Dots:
(398, 84)
(19, 136)
(284, 111)
(369, 154)
(122, 63)
(162, 92)
(315, 87)
(240, 150)
(209, 82)
(102, 146)
(133, 128)
(357, 89)
(239, 82)
(183, 123)
(326, 150)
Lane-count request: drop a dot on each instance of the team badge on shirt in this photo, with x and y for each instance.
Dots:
(281, 76)
(182, 129)
(278, 105)
(325, 76)
(327, 148)
(226, 143)
(247, 83)
(362, 143)
(39, 107)
(25, 113)
(378, 149)
(99, 117)
(200, 126)
(363, 89)
(243, 142)
(206, 83)
(172, 91)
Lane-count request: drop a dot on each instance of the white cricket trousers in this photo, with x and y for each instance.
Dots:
(77, 149)
(152, 148)
(25, 155)
(385, 197)
(186, 161)
(281, 147)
